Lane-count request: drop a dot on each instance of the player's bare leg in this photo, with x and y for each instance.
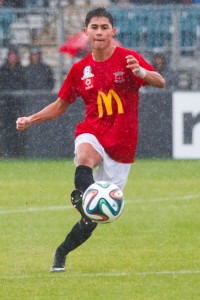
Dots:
(87, 159)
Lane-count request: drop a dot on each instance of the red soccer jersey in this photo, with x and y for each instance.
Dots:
(111, 94)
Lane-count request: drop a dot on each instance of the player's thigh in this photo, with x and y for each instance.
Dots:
(86, 155)
(112, 171)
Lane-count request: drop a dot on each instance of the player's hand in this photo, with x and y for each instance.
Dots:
(23, 123)
(133, 64)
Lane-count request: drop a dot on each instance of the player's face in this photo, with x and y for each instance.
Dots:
(100, 33)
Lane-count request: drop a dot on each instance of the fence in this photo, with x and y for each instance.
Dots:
(172, 29)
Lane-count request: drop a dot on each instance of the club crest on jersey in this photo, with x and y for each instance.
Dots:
(87, 73)
(119, 76)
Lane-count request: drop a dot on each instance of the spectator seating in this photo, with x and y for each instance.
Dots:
(31, 3)
(188, 28)
(141, 26)
(7, 16)
(53, 3)
(150, 26)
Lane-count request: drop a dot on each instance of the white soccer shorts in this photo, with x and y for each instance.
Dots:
(108, 169)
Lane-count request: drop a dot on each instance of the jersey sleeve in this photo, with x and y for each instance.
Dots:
(68, 91)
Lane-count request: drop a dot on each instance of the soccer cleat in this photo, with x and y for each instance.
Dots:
(76, 199)
(59, 261)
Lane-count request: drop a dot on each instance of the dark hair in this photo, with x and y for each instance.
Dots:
(98, 12)
(13, 48)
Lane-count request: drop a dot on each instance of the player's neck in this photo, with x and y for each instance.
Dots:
(100, 55)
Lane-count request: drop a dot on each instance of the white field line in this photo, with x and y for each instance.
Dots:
(46, 208)
(33, 209)
(181, 272)
(188, 197)
(170, 272)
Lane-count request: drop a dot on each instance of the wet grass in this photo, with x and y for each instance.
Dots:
(150, 252)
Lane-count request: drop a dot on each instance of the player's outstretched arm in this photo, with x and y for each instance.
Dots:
(50, 112)
(151, 77)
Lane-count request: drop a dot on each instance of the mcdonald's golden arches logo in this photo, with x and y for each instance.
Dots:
(108, 102)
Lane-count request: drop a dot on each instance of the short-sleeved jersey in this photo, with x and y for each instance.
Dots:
(110, 92)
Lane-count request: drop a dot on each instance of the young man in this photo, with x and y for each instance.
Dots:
(108, 80)
(39, 75)
(12, 78)
(12, 74)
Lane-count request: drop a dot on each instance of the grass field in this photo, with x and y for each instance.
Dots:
(151, 252)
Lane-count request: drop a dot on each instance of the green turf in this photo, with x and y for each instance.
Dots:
(151, 252)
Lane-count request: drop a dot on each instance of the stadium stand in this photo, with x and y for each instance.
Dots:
(173, 29)
(7, 16)
(188, 29)
(154, 26)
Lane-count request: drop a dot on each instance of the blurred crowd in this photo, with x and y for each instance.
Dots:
(160, 64)
(14, 77)
(46, 3)
(13, 3)
(39, 76)
(36, 76)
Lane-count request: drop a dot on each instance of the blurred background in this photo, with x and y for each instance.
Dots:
(39, 44)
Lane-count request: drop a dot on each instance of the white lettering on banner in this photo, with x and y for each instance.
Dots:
(186, 125)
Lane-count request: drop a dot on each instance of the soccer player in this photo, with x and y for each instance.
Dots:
(108, 80)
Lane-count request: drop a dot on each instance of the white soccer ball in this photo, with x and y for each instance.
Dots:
(103, 202)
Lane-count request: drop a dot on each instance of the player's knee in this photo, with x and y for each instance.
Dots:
(84, 160)
(87, 156)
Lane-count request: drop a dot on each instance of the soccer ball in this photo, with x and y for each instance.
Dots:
(103, 202)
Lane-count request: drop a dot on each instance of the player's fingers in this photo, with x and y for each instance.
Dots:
(132, 64)
(132, 61)
(21, 123)
(19, 127)
(129, 56)
(133, 67)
